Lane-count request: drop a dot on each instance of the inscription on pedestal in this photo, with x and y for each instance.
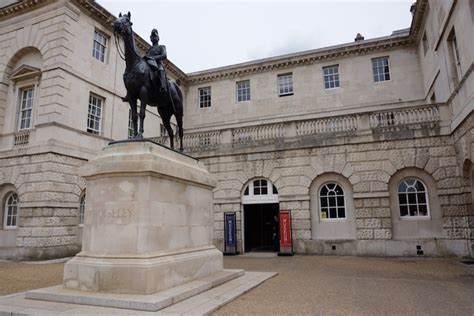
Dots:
(117, 216)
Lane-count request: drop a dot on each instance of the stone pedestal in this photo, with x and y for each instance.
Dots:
(148, 222)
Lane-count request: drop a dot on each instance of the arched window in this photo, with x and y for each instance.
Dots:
(11, 211)
(260, 191)
(331, 197)
(413, 198)
(82, 208)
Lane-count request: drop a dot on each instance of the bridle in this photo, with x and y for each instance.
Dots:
(121, 51)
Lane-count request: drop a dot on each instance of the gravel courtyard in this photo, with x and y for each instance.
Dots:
(319, 285)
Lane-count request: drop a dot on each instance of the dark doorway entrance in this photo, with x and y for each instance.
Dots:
(260, 226)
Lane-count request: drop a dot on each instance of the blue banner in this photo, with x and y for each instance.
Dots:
(230, 236)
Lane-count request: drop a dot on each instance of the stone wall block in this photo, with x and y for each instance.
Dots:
(304, 224)
(365, 234)
(364, 212)
(386, 223)
(359, 222)
(301, 234)
(372, 223)
(378, 186)
(439, 174)
(452, 171)
(358, 203)
(456, 210)
(372, 202)
(382, 212)
(449, 183)
(382, 233)
(361, 187)
(422, 157)
(448, 161)
(291, 205)
(432, 165)
(455, 233)
(300, 214)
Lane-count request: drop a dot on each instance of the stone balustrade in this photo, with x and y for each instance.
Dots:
(363, 123)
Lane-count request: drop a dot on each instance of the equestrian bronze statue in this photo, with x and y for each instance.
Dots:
(145, 80)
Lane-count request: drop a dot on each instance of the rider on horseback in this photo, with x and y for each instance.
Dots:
(154, 57)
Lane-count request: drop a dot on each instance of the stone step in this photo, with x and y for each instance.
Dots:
(151, 303)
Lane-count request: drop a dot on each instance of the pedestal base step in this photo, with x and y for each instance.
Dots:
(149, 303)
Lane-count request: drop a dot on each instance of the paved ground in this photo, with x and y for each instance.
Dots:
(319, 285)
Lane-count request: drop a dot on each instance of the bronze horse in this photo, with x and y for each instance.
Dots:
(139, 86)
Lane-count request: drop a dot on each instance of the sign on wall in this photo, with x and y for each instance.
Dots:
(230, 240)
(286, 245)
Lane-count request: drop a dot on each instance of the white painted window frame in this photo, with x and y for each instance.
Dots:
(331, 77)
(328, 219)
(93, 115)
(205, 97)
(26, 107)
(379, 71)
(427, 203)
(82, 209)
(252, 198)
(9, 207)
(243, 91)
(285, 84)
(99, 46)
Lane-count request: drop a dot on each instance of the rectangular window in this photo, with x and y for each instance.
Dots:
(163, 131)
(94, 117)
(425, 44)
(454, 56)
(331, 77)
(130, 125)
(285, 84)
(243, 91)
(205, 97)
(26, 107)
(98, 48)
(381, 69)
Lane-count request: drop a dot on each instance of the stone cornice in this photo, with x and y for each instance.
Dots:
(21, 7)
(302, 58)
(417, 20)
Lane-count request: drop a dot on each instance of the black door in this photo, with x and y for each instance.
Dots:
(261, 227)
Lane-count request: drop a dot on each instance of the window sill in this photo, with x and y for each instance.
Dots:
(285, 95)
(415, 218)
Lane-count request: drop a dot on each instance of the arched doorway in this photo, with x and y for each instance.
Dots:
(260, 216)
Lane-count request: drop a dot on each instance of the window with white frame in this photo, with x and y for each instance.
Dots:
(130, 125)
(332, 203)
(205, 97)
(243, 91)
(99, 46)
(285, 84)
(10, 211)
(260, 191)
(413, 198)
(82, 208)
(331, 77)
(94, 116)
(381, 69)
(26, 107)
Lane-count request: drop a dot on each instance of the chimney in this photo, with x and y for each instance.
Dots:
(358, 37)
(413, 9)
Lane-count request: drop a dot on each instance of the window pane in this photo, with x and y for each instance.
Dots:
(333, 212)
(324, 190)
(275, 191)
(421, 198)
(341, 212)
(264, 190)
(423, 210)
(413, 210)
(340, 201)
(339, 190)
(402, 198)
(403, 210)
(324, 213)
(332, 201)
(419, 186)
(402, 187)
(246, 192)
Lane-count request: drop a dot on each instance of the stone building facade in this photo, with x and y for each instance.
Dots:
(367, 143)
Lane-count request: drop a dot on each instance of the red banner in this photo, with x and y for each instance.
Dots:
(285, 231)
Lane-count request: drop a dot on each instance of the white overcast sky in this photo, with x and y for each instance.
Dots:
(201, 35)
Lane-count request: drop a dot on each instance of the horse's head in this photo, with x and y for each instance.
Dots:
(122, 25)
